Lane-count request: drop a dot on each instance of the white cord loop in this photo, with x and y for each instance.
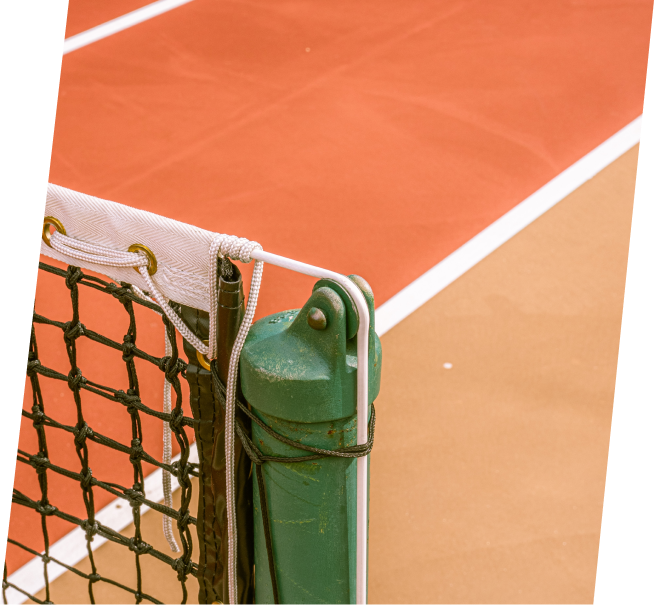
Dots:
(96, 254)
(230, 414)
(100, 255)
(240, 249)
(236, 248)
(167, 457)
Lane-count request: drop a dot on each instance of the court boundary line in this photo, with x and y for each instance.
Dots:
(71, 548)
(436, 279)
(104, 30)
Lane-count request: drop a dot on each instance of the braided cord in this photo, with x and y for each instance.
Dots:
(235, 248)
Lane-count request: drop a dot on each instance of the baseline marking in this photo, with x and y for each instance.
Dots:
(417, 293)
(120, 23)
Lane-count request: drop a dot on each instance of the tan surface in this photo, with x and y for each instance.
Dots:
(488, 478)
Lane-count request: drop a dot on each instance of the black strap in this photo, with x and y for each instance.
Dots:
(263, 498)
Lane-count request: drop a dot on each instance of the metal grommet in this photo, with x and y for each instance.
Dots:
(152, 259)
(204, 362)
(51, 221)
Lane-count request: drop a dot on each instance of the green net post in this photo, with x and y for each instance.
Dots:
(298, 374)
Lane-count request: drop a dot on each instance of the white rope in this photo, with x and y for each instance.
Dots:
(175, 319)
(167, 443)
(96, 254)
(230, 410)
(167, 457)
(236, 248)
(106, 256)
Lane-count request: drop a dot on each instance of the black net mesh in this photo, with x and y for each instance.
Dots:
(42, 416)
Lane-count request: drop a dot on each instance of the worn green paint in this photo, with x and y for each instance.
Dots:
(301, 381)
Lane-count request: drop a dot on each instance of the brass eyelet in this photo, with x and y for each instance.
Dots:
(152, 259)
(204, 362)
(51, 221)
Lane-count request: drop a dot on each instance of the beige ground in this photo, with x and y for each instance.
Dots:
(488, 478)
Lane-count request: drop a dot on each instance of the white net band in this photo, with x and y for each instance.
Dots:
(98, 236)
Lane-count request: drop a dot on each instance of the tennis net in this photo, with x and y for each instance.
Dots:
(177, 264)
(43, 416)
(186, 276)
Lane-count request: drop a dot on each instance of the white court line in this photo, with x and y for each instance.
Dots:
(416, 294)
(120, 23)
(71, 549)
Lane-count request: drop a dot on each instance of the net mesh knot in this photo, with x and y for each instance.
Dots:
(138, 546)
(75, 379)
(136, 451)
(81, 432)
(133, 402)
(94, 577)
(73, 332)
(123, 292)
(46, 509)
(130, 400)
(129, 347)
(32, 364)
(135, 496)
(176, 419)
(172, 367)
(40, 463)
(183, 567)
(90, 529)
(38, 416)
(183, 474)
(87, 479)
(183, 521)
(73, 275)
